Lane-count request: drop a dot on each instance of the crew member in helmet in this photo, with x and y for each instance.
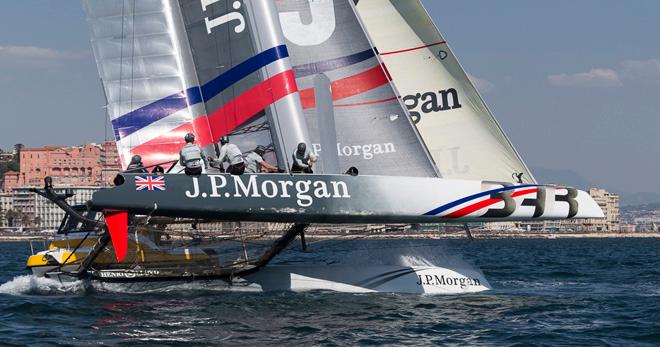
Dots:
(136, 166)
(303, 159)
(254, 161)
(191, 156)
(230, 153)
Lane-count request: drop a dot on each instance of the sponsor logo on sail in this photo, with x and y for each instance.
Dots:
(431, 102)
(367, 151)
(305, 192)
(231, 16)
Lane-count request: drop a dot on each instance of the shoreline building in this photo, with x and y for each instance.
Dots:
(6, 205)
(87, 165)
(81, 169)
(608, 202)
(38, 213)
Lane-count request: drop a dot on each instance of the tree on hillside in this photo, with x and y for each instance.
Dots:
(9, 166)
(17, 148)
(11, 216)
(26, 220)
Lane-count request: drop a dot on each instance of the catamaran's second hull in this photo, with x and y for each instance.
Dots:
(296, 278)
(152, 265)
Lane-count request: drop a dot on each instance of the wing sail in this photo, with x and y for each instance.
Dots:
(459, 130)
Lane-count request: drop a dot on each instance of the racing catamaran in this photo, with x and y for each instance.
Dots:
(328, 73)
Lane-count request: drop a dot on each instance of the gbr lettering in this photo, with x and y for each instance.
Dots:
(539, 202)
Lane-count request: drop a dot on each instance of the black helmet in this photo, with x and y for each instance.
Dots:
(224, 139)
(190, 138)
(136, 159)
(302, 147)
(260, 150)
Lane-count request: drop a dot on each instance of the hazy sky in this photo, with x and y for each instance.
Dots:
(575, 84)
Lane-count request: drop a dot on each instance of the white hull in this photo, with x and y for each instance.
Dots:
(336, 278)
(370, 279)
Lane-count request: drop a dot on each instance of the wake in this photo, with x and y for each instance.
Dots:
(33, 285)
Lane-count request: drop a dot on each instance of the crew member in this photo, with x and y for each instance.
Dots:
(303, 159)
(159, 170)
(231, 154)
(136, 166)
(254, 161)
(191, 156)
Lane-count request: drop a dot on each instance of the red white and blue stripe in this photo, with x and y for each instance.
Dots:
(476, 202)
(157, 110)
(209, 127)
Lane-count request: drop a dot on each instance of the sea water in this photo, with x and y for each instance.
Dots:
(547, 292)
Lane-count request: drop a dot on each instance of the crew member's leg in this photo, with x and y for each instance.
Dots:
(236, 169)
(195, 171)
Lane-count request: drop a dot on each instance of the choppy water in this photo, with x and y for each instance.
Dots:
(546, 292)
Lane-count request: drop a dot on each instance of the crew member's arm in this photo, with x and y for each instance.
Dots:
(205, 159)
(181, 162)
(269, 168)
(223, 154)
(299, 162)
(312, 157)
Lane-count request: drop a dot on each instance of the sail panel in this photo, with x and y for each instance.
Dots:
(149, 89)
(460, 132)
(172, 67)
(373, 131)
(243, 68)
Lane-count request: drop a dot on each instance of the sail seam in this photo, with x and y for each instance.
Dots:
(414, 48)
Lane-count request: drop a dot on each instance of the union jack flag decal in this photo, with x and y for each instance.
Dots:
(149, 182)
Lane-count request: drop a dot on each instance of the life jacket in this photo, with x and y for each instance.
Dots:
(191, 156)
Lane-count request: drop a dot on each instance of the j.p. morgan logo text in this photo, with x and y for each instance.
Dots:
(435, 280)
(304, 191)
(431, 102)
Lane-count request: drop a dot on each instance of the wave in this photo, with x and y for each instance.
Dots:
(33, 285)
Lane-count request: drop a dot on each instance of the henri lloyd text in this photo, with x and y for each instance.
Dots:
(248, 186)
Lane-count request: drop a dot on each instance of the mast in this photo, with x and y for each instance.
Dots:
(288, 126)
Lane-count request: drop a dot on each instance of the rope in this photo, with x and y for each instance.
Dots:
(132, 54)
(121, 58)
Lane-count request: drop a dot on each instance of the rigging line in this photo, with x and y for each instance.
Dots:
(132, 53)
(121, 58)
(285, 152)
